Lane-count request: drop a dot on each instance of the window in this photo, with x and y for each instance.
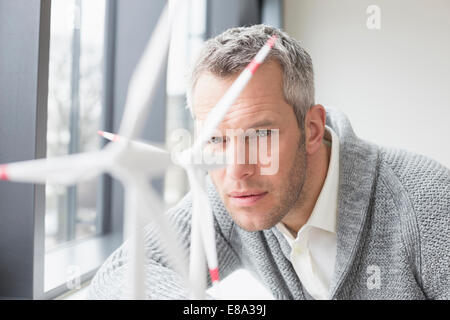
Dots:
(44, 46)
(75, 245)
(74, 114)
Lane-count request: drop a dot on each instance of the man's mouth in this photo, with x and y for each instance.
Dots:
(246, 198)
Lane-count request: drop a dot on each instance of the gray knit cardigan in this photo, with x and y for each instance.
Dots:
(393, 233)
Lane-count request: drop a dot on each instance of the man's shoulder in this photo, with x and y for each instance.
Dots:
(417, 173)
(425, 183)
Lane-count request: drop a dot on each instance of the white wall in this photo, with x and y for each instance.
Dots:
(393, 83)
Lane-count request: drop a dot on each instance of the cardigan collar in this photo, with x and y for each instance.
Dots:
(357, 176)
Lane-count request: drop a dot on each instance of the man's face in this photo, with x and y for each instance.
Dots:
(262, 101)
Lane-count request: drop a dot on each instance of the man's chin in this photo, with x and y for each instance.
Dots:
(253, 227)
(252, 224)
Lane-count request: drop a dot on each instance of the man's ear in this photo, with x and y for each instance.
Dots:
(314, 128)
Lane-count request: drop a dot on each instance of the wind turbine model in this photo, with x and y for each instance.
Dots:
(128, 161)
(202, 230)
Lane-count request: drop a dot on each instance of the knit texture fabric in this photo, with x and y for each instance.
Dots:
(393, 233)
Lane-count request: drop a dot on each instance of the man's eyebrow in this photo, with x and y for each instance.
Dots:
(262, 123)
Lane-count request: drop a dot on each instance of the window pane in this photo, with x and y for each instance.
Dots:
(74, 113)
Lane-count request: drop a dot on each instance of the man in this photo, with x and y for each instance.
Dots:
(342, 218)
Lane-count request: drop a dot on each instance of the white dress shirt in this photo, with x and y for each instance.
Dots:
(313, 251)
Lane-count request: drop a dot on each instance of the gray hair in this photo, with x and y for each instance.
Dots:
(231, 51)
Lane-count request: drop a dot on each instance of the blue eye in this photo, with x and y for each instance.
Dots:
(263, 132)
(215, 140)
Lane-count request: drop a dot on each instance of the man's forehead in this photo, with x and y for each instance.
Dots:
(245, 116)
(262, 92)
(242, 107)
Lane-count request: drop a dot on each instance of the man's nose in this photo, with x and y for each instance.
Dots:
(243, 164)
(241, 171)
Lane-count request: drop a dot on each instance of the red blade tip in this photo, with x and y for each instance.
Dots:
(272, 41)
(214, 273)
(3, 172)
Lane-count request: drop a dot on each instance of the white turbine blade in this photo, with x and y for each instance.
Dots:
(203, 214)
(108, 135)
(172, 248)
(144, 82)
(134, 232)
(150, 146)
(208, 236)
(203, 160)
(140, 201)
(197, 270)
(64, 170)
(217, 113)
(147, 159)
(207, 167)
